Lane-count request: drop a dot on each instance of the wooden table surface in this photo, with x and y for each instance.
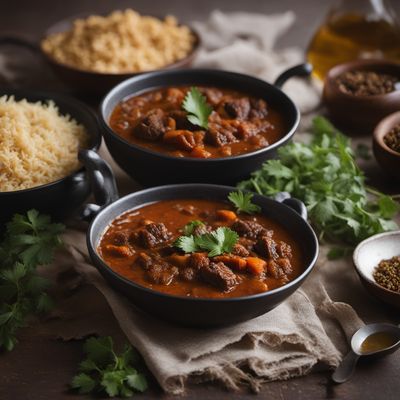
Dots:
(41, 367)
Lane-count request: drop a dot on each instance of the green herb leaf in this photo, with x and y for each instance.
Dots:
(105, 371)
(242, 202)
(84, 383)
(324, 175)
(29, 241)
(137, 382)
(195, 104)
(99, 350)
(215, 243)
(189, 227)
(186, 244)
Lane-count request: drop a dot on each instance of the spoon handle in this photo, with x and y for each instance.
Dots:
(344, 371)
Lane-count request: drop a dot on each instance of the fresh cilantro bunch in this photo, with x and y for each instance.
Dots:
(215, 243)
(104, 370)
(324, 175)
(29, 241)
(242, 202)
(195, 104)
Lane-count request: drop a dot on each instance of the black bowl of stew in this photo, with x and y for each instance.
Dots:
(131, 242)
(149, 135)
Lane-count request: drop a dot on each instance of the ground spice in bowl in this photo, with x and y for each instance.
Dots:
(367, 83)
(392, 139)
(387, 274)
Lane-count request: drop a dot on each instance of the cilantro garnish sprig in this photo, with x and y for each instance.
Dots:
(242, 202)
(30, 240)
(215, 242)
(104, 371)
(324, 175)
(195, 104)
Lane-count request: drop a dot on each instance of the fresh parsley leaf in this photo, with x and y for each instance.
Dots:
(105, 371)
(324, 175)
(83, 382)
(195, 104)
(189, 227)
(29, 241)
(242, 202)
(186, 244)
(137, 382)
(215, 243)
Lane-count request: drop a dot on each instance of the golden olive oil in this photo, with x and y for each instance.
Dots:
(352, 36)
(378, 341)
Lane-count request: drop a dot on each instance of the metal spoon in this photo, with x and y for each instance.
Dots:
(344, 371)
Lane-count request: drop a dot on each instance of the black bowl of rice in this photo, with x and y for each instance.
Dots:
(40, 136)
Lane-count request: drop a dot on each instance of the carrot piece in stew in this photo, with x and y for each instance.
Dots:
(256, 265)
(234, 262)
(226, 215)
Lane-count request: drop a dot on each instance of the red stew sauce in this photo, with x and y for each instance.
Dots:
(139, 246)
(238, 124)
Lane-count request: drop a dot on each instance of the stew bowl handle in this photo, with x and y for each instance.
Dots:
(301, 70)
(102, 182)
(293, 203)
(20, 42)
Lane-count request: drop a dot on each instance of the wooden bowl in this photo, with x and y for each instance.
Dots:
(387, 158)
(358, 115)
(367, 256)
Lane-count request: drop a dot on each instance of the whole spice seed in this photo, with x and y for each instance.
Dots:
(392, 139)
(366, 83)
(387, 274)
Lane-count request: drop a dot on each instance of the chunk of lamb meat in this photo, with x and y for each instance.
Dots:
(198, 261)
(218, 136)
(239, 250)
(274, 270)
(181, 120)
(157, 271)
(188, 274)
(220, 276)
(202, 229)
(266, 247)
(258, 108)
(250, 229)
(285, 264)
(120, 238)
(153, 234)
(162, 274)
(237, 108)
(151, 127)
(213, 95)
(284, 250)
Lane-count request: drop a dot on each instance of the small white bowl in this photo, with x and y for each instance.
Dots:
(367, 256)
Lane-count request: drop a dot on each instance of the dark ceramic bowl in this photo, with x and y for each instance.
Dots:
(288, 212)
(367, 256)
(61, 197)
(387, 158)
(153, 168)
(83, 81)
(358, 115)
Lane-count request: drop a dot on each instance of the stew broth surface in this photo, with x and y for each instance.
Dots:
(238, 124)
(175, 214)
